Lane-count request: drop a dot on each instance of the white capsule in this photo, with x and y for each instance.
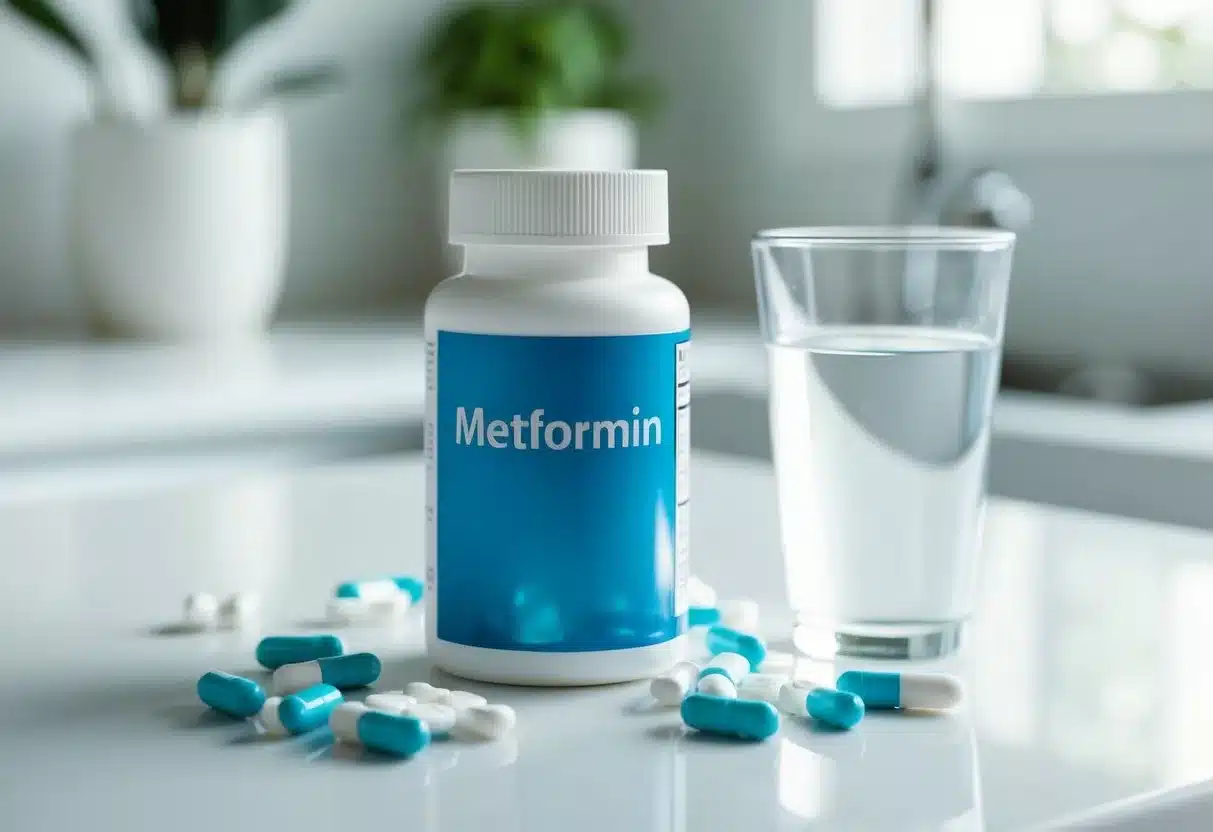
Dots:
(792, 696)
(734, 665)
(440, 719)
(463, 699)
(200, 610)
(485, 722)
(239, 611)
(425, 692)
(717, 685)
(700, 594)
(740, 614)
(343, 721)
(268, 717)
(296, 677)
(932, 691)
(392, 703)
(355, 611)
(671, 687)
(761, 686)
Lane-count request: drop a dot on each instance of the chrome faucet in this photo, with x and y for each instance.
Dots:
(984, 197)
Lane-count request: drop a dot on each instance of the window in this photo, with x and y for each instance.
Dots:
(870, 52)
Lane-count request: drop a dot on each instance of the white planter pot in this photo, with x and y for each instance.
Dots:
(576, 140)
(180, 226)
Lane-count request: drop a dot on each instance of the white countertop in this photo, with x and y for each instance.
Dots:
(1086, 674)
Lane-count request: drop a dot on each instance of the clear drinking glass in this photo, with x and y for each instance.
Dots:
(884, 348)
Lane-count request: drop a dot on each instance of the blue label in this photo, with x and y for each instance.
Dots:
(558, 490)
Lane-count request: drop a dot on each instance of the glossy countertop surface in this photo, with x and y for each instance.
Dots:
(1087, 672)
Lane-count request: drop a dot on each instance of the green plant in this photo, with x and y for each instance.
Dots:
(192, 37)
(525, 60)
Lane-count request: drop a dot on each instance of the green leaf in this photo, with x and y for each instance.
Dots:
(297, 81)
(47, 18)
(239, 18)
(526, 59)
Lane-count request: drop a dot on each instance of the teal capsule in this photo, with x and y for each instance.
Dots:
(412, 586)
(749, 719)
(354, 670)
(400, 736)
(275, 651)
(932, 691)
(308, 709)
(381, 589)
(727, 640)
(232, 695)
(702, 616)
(834, 707)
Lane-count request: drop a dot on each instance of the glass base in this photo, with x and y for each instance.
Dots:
(904, 641)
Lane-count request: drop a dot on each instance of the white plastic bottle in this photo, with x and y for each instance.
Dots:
(557, 433)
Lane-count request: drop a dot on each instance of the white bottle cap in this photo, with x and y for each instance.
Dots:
(559, 208)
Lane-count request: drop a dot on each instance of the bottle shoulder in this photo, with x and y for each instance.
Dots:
(630, 304)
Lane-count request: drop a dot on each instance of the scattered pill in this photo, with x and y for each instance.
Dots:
(747, 719)
(348, 611)
(762, 686)
(200, 610)
(717, 684)
(463, 699)
(353, 670)
(399, 736)
(275, 651)
(733, 665)
(671, 687)
(726, 640)
(300, 712)
(425, 692)
(391, 702)
(239, 611)
(700, 594)
(229, 694)
(410, 585)
(485, 722)
(440, 719)
(379, 590)
(837, 708)
(740, 614)
(702, 616)
(932, 691)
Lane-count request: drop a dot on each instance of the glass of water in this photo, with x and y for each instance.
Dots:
(884, 347)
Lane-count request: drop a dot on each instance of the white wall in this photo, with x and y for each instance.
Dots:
(1118, 265)
(363, 227)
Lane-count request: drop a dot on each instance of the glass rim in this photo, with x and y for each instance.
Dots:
(948, 238)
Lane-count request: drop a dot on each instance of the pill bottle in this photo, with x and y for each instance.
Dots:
(557, 433)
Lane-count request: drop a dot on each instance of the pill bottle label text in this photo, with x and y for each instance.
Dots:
(558, 500)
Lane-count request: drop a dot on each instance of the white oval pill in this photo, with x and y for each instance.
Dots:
(425, 692)
(486, 722)
(717, 684)
(462, 699)
(392, 703)
(739, 614)
(440, 719)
